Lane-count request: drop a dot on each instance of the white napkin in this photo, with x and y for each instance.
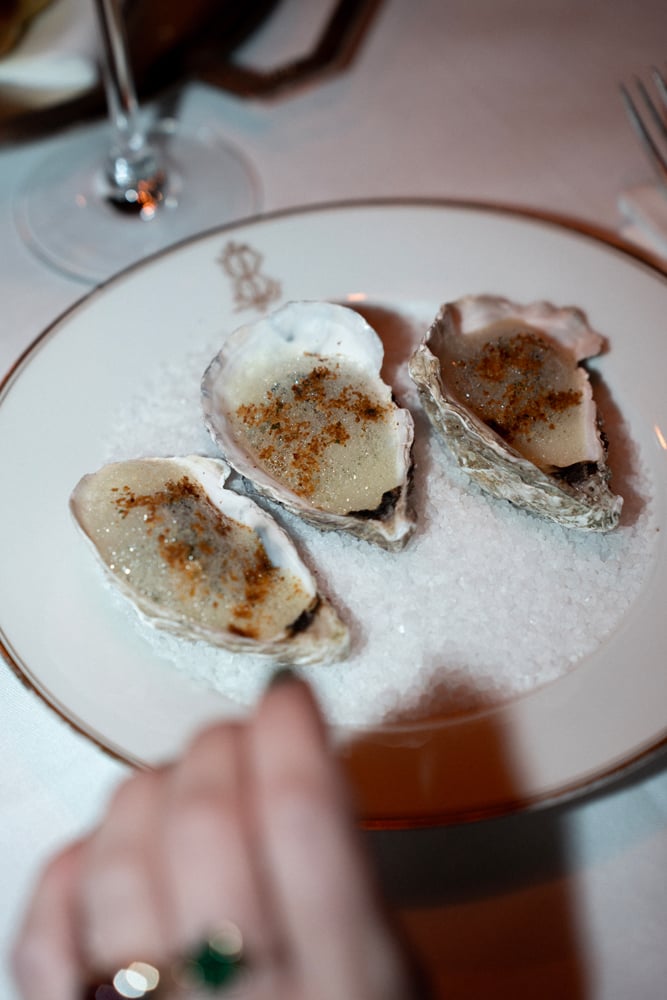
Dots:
(56, 58)
(644, 210)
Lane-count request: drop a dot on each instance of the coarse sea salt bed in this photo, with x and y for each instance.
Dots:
(485, 603)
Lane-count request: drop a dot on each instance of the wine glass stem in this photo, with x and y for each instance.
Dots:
(132, 161)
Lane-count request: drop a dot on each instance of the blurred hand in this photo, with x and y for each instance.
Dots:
(252, 825)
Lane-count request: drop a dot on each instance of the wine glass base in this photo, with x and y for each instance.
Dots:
(66, 216)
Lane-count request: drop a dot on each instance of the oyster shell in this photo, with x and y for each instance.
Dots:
(204, 562)
(296, 404)
(503, 386)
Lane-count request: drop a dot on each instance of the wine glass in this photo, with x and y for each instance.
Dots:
(95, 206)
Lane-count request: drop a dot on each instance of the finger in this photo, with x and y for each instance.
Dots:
(45, 958)
(206, 846)
(319, 876)
(120, 902)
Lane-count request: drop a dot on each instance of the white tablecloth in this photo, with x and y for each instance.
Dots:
(511, 101)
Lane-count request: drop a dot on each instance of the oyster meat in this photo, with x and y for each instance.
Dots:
(504, 386)
(296, 404)
(203, 561)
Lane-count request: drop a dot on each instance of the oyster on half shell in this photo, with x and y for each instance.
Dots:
(504, 387)
(296, 404)
(204, 562)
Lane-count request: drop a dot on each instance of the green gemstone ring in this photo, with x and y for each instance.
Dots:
(217, 962)
(211, 968)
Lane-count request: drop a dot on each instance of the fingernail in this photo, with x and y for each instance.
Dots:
(282, 675)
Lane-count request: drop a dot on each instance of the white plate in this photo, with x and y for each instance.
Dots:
(58, 626)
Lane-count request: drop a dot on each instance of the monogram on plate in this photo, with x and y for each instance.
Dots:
(252, 289)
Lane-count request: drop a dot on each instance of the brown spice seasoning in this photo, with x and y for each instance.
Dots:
(189, 551)
(292, 446)
(514, 400)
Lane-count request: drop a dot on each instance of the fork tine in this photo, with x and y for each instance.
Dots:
(653, 110)
(660, 84)
(658, 161)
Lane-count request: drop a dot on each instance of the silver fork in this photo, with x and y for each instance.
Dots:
(651, 127)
